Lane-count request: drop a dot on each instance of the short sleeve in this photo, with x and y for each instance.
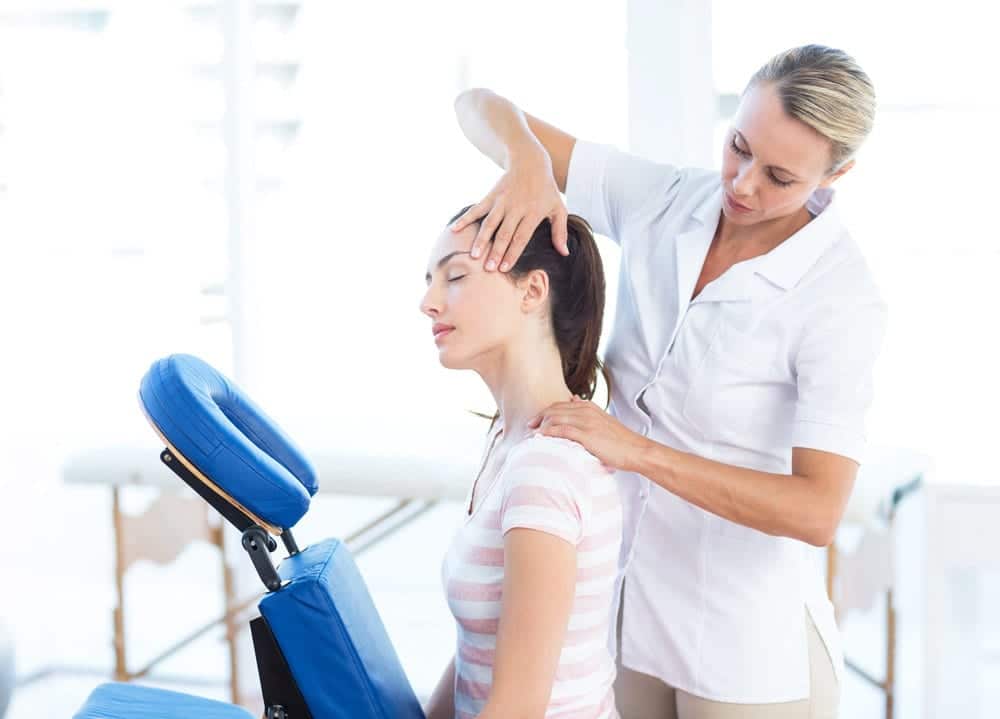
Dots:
(607, 187)
(834, 375)
(543, 489)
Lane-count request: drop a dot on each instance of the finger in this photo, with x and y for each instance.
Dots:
(501, 241)
(572, 405)
(549, 412)
(552, 419)
(555, 413)
(521, 239)
(476, 212)
(486, 230)
(566, 431)
(560, 235)
(546, 421)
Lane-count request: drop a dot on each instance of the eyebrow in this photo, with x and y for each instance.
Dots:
(444, 260)
(773, 167)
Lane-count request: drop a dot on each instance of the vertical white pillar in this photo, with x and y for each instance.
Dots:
(672, 99)
(239, 130)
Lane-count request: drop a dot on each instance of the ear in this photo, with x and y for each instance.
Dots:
(535, 286)
(834, 176)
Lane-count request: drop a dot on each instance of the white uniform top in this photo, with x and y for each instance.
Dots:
(775, 353)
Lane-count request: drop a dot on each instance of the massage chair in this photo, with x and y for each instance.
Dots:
(322, 651)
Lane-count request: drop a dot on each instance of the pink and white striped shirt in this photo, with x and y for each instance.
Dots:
(555, 486)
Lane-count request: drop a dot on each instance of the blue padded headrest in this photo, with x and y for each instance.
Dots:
(217, 428)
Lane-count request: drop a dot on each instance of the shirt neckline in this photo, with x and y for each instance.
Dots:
(474, 508)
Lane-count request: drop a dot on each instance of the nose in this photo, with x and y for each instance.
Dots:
(743, 182)
(428, 303)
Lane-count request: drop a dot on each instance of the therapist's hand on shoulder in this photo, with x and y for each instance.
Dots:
(525, 195)
(579, 420)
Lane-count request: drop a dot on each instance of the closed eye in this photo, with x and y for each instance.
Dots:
(776, 181)
(737, 149)
(770, 174)
(455, 279)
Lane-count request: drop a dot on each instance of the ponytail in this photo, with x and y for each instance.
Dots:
(578, 310)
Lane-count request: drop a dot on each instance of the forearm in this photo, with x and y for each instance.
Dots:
(442, 701)
(496, 127)
(787, 505)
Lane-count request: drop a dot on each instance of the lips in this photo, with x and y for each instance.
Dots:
(736, 205)
(440, 330)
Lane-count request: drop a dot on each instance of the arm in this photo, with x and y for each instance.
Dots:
(442, 702)
(806, 505)
(505, 134)
(536, 158)
(539, 585)
(834, 371)
(603, 185)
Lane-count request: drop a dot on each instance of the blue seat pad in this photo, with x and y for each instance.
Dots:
(216, 427)
(334, 641)
(129, 701)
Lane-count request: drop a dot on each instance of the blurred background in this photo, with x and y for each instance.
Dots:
(259, 184)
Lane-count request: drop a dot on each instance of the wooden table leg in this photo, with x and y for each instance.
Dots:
(232, 627)
(121, 667)
(890, 655)
(159, 535)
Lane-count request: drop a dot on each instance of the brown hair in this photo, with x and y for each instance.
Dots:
(576, 291)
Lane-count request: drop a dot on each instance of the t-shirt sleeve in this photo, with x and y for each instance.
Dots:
(834, 375)
(608, 187)
(544, 490)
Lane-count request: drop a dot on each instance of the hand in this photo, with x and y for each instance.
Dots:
(602, 435)
(524, 196)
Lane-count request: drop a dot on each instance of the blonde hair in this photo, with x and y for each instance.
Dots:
(828, 91)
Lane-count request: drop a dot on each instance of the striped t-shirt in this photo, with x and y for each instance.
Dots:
(555, 486)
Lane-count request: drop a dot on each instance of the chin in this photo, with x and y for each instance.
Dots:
(449, 360)
(748, 219)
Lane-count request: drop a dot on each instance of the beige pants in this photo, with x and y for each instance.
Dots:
(640, 696)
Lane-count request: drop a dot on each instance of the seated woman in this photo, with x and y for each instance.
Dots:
(531, 574)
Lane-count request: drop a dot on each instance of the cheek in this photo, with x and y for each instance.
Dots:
(489, 314)
(464, 298)
(470, 301)
(782, 200)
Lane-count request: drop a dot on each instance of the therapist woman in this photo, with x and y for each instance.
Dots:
(741, 358)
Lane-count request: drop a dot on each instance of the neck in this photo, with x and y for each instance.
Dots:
(760, 237)
(524, 377)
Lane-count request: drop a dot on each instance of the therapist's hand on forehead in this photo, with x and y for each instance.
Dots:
(525, 195)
